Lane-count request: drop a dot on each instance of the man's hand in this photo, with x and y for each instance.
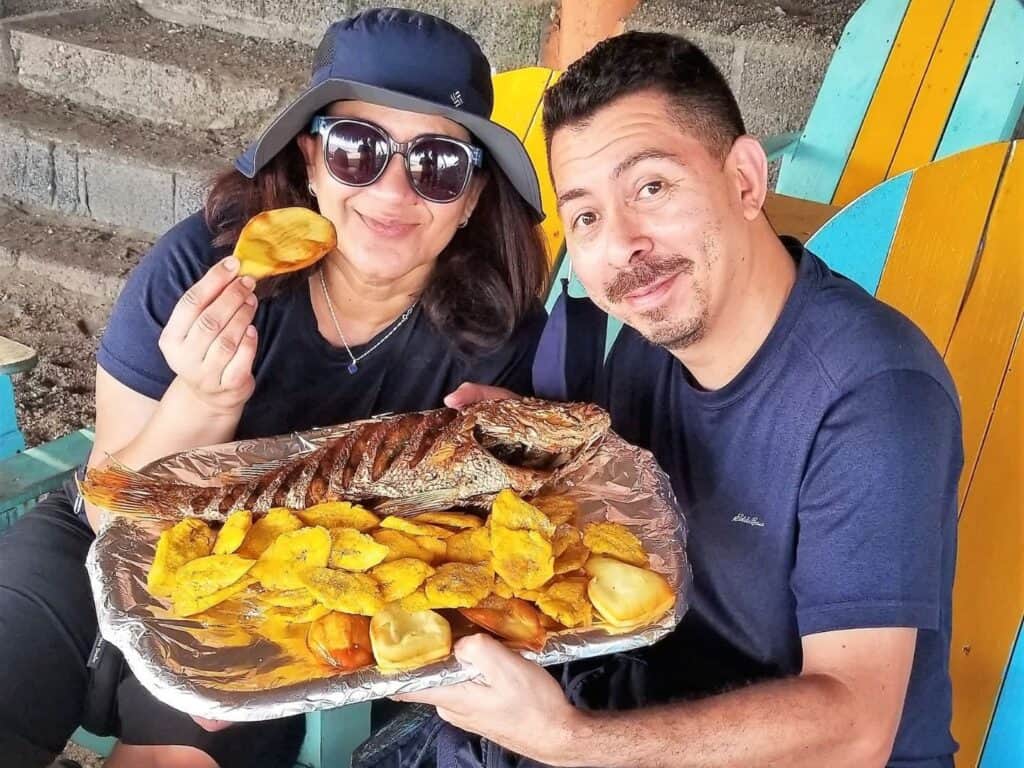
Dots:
(469, 393)
(514, 702)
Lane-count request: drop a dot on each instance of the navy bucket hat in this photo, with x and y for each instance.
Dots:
(405, 60)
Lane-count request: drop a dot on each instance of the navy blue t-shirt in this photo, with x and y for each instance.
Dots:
(820, 487)
(301, 379)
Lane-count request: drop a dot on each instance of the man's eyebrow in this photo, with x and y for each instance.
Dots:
(570, 195)
(644, 154)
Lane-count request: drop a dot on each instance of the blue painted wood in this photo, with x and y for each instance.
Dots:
(992, 95)
(813, 169)
(1004, 747)
(856, 241)
(11, 439)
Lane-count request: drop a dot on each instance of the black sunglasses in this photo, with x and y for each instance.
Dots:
(356, 153)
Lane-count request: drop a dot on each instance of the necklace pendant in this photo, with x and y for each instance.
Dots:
(352, 367)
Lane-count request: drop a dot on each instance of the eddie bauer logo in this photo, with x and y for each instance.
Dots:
(754, 521)
(457, 98)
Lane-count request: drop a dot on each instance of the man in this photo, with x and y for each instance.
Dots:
(811, 433)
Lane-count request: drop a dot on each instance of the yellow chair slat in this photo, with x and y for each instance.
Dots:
(938, 240)
(554, 234)
(988, 593)
(938, 92)
(517, 98)
(985, 332)
(893, 98)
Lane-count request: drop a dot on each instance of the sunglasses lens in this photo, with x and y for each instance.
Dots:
(439, 169)
(356, 153)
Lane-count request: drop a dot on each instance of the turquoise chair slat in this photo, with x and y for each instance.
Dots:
(992, 95)
(11, 439)
(856, 243)
(813, 169)
(1004, 747)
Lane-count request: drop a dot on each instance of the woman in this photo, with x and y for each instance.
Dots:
(435, 281)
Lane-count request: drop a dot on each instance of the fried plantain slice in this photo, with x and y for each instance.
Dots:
(458, 585)
(283, 240)
(281, 565)
(565, 600)
(402, 545)
(343, 591)
(339, 514)
(289, 598)
(559, 509)
(469, 546)
(460, 520)
(616, 541)
(510, 511)
(233, 532)
(355, 551)
(188, 604)
(413, 528)
(523, 558)
(207, 575)
(185, 541)
(266, 530)
(400, 578)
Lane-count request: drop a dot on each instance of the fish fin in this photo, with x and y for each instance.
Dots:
(428, 501)
(122, 490)
(253, 472)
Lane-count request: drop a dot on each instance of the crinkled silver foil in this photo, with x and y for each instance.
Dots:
(213, 666)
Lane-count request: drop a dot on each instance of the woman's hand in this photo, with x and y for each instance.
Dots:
(209, 341)
(469, 393)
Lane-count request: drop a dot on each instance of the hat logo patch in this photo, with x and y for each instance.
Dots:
(456, 98)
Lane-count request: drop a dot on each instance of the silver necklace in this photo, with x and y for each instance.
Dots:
(354, 365)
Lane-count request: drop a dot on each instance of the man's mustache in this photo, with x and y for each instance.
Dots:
(645, 273)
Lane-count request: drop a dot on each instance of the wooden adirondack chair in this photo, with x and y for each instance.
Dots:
(911, 81)
(943, 244)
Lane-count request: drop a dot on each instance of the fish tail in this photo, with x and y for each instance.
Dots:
(122, 490)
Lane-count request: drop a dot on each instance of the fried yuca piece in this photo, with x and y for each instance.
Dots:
(510, 511)
(566, 601)
(469, 546)
(625, 595)
(616, 541)
(233, 532)
(266, 529)
(343, 591)
(187, 540)
(341, 640)
(523, 558)
(460, 520)
(283, 240)
(404, 639)
(400, 578)
(283, 562)
(559, 509)
(339, 514)
(402, 545)
(458, 585)
(355, 551)
(188, 604)
(413, 528)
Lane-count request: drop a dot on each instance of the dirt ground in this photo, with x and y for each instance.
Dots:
(63, 326)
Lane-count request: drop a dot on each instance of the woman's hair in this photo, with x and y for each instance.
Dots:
(485, 281)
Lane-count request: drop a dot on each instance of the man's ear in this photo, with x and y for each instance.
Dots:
(747, 165)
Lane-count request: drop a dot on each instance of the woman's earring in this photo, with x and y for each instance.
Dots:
(309, 186)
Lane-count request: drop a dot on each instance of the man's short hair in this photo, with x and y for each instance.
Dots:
(638, 61)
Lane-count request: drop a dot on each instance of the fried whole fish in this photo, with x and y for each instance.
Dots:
(420, 461)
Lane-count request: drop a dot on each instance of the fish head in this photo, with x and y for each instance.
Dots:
(536, 436)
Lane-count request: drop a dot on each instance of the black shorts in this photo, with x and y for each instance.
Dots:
(47, 631)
